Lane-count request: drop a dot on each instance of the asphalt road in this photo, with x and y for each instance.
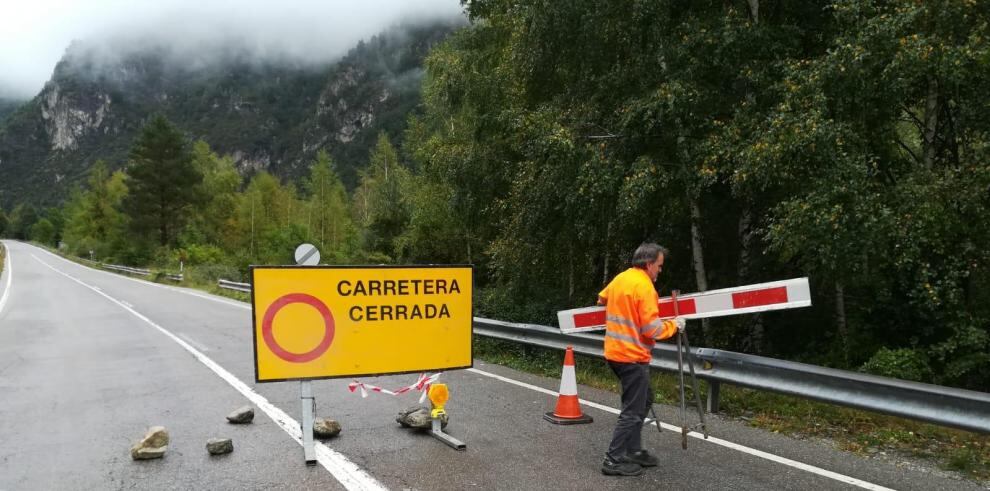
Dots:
(89, 360)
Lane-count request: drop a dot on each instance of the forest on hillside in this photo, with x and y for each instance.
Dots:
(846, 141)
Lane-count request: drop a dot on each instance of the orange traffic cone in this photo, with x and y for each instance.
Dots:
(568, 410)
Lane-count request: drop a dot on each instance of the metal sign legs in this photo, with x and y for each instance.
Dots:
(308, 408)
(437, 432)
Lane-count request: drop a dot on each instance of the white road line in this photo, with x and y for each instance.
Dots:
(717, 441)
(345, 471)
(9, 270)
(123, 302)
(188, 339)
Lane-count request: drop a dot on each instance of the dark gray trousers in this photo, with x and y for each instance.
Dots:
(636, 400)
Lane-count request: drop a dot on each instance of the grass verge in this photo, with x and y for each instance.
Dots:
(857, 431)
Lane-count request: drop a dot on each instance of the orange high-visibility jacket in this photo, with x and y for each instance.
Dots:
(632, 317)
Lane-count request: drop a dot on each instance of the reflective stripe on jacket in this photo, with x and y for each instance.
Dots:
(632, 317)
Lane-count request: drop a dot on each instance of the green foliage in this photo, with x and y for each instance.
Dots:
(845, 141)
(208, 274)
(330, 222)
(904, 363)
(213, 221)
(43, 232)
(381, 200)
(197, 254)
(435, 233)
(271, 222)
(4, 223)
(162, 181)
(21, 220)
(94, 220)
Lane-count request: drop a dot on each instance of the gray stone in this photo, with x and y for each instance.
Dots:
(241, 415)
(141, 453)
(152, 446)
(325, 428)
(219, 446)
(418, 417)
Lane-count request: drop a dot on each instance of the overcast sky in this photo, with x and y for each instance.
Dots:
(35, 33)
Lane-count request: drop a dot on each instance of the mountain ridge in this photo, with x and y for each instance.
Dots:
(268, 116)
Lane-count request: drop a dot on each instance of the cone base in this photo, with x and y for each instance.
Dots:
(557, 420)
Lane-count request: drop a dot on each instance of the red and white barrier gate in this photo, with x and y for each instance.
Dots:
(776, 295)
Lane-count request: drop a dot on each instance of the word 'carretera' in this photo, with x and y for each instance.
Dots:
(397, 287)
(398, 311)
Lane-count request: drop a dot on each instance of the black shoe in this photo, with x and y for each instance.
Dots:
(643, 458)
(613, 468)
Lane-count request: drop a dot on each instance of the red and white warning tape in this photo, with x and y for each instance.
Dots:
(422, 384)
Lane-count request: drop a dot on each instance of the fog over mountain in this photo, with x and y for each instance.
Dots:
(195, 33)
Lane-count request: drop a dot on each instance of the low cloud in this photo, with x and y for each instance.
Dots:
(196, 32)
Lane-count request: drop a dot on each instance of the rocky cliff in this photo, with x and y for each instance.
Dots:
(267, 116)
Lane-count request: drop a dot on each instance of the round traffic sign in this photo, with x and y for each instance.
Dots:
(278, 350)
(307, 255)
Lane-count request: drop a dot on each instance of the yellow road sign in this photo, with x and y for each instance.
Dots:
(327, 322)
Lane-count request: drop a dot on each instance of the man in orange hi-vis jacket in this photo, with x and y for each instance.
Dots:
(632, 326)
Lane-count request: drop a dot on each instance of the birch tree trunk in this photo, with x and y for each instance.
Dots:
(754, 10)
(840, 320)
(608, 239)
(756, 334)
(698, 255)
(570, 277)
(931, 121)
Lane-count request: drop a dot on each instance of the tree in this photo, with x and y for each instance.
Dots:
(163, 184)
(4, 223)
(214, 222)
(22, 219)
(435, 233)
(890, 126)
(330, 222)
(43, 232)
(383, 205)
(271, 221)
(572, 131)
(94, 220)
(57, 219)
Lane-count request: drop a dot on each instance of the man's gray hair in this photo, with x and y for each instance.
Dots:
(646, 253)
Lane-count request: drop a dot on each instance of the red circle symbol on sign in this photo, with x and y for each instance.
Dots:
(291, 298)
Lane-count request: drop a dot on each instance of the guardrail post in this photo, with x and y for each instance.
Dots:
(713, 390)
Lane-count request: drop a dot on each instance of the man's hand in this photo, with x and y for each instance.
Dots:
(681, 324)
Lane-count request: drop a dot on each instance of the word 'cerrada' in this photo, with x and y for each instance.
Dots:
(399, 312)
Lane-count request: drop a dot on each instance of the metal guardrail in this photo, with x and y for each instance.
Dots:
(233, 285)
(947, 406)
(138, 271)
(127, 269)
(958, 408)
